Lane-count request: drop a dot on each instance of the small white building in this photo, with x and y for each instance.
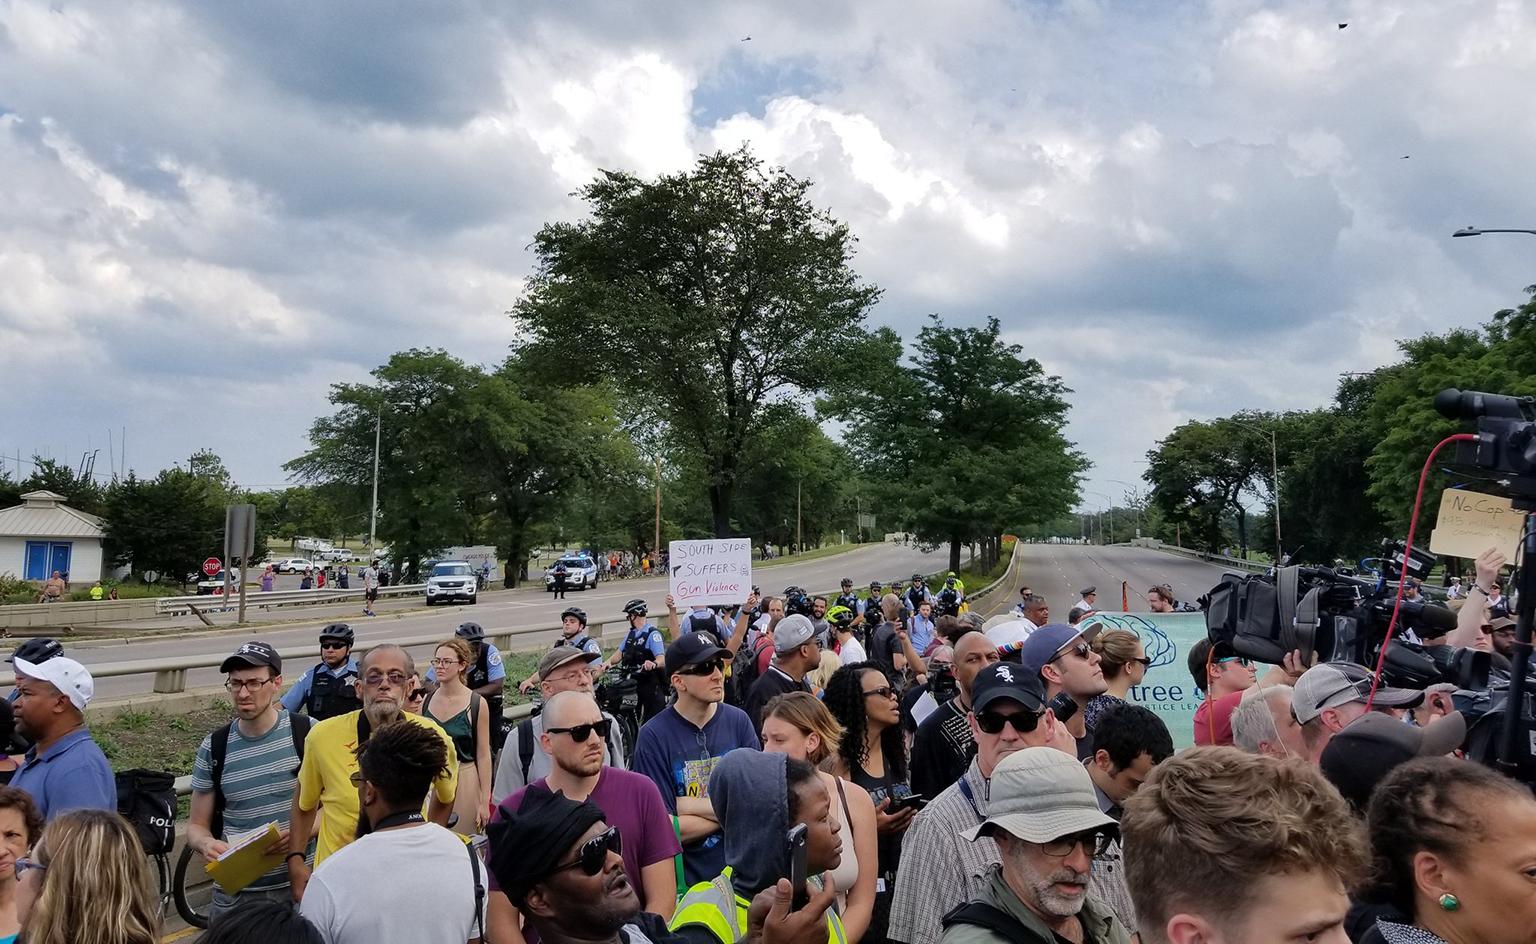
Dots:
(42, 535)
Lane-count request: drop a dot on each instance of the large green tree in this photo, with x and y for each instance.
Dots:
(962, 432)
(704, 297)
(174, 521)
(1201, 472)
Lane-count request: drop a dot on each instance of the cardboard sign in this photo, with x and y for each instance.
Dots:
(1471, 522)
(702, 573)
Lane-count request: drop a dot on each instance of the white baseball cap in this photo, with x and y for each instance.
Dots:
(64, 674)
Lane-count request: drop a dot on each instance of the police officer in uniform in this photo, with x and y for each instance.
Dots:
(487, 677)
(329, 688)
(847, 597)
(573, 632)
(644, 650)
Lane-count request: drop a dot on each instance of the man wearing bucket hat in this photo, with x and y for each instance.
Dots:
(1047, 823)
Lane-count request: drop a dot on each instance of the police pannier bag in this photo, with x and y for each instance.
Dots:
(147, 799)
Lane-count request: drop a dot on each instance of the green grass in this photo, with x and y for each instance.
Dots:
(159, 740)
(830, 550)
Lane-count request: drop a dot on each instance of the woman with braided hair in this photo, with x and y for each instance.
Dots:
(872, 753)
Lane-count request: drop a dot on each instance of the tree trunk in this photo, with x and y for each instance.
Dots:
(720, 509)
(954, 553)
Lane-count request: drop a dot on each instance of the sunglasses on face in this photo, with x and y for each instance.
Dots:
(1243, 661)
(884, 691)
(25, 865)
(704, 668)
(594, 852)
(1142, 661)
(374, 680)
(991, 722)
(1081, 650)
(581, 732)
(333, 644)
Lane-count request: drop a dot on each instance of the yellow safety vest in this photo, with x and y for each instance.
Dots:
(716, 906)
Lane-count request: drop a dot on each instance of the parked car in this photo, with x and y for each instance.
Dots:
(215, 584)
(295, 565)
(449, 581)
(580, 573)
(338, 554)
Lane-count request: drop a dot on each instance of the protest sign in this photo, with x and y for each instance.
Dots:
(702, 573)
(1471, 522)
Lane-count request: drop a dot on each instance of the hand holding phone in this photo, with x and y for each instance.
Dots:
(795, 839)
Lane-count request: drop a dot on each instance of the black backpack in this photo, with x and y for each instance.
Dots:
(147, 799)
(219, 750)
(983, 915)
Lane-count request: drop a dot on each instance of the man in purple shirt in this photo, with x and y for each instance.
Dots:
(64, 770)
(573, 737)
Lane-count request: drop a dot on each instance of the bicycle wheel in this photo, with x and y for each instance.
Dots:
(163, 878)
(184, 906)
(631, 727)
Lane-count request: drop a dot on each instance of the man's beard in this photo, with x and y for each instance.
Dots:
(1047, 898)
(383, 711)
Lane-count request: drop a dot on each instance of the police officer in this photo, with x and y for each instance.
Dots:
(644, 651)
(869, 610)
(917, 593)
(573, 632)
(329, 688)
(847, 597)
(950, 598)
(487, 677)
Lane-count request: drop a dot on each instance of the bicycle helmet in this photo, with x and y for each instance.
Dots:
(37, 650)
(840, 616)
(874, 586)
(339, 631)
(918, 578)
(470, 632)
(847, 583)
(576, 611)
(635, 607)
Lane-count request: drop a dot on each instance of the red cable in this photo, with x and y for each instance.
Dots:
(1413, 524)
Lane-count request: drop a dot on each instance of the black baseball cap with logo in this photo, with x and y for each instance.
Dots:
(251, 654)
(692, 649)
(1006, 680)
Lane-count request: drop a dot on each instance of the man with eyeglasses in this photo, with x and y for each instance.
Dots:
(523, 760)
(329, 688)
(573, 738)
(244, 774)
(330, 759)
(1329, 696)
(1228, 680)
(1048, 828)
(439, 893)
(679, 747)
(939, 869)
(1067, 664)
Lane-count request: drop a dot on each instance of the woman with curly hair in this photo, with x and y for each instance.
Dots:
(872, 753)
(87, 880)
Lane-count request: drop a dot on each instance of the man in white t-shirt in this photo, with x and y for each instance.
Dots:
(444, 901)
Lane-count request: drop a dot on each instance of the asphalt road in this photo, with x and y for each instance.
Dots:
(498, 611)
(1059, 571)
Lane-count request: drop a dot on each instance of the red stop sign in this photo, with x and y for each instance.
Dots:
(212, 566)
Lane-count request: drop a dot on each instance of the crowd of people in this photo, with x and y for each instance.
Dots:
(879, 767)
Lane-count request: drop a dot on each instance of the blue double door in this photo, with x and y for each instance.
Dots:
(45, 557)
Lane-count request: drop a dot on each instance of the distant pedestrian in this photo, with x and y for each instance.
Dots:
(559, 574)
(97, 592)
(65, 769)
(268, 579)
(306, 582)
(112, 594)
(344, 577)
(53, 589)
(320, 578)
(370, 575)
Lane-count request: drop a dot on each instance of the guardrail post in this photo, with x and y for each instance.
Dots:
(170, 681)
(502, 642)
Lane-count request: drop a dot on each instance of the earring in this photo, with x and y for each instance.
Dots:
(1449, 902)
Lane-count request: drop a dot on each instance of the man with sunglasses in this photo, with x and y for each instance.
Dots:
(1047, 827)
(1228, 680)
(329, 688)
(573, 736)
(1067, 664)
(939, 869)
(523, 760)
(443, 899)
(244, 774)
(561, 863)
(679, 747)
(944, 745)
(1327, 697)
(330, 759)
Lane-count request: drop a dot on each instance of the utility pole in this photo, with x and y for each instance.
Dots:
(799, 533)
(373, 517)
(1274, 466)
(657, 546)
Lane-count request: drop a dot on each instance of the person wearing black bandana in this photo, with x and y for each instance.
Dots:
(444, 901)
(559, 862)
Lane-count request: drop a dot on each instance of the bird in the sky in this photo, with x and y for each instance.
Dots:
(746, 39)
(1343, 26)
(1405, 157)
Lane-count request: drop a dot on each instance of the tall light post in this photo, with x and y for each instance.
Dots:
(1274, 468)
(1111, 516)
(1474, 231)
(373, 516)
(1135, 495)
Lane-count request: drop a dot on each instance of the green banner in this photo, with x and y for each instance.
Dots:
(1168, 688)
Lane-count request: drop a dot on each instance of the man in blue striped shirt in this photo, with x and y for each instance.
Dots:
(245, 773)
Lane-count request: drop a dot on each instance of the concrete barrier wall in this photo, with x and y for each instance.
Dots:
(90, 612)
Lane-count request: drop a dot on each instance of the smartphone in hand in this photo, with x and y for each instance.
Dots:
(795, 839)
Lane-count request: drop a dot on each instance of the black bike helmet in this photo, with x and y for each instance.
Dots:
(847, 583)
(576, 611)
(917, 578)
(874, 585)
(470, 632)
(635, 607)
(339, 631)
(37, 650)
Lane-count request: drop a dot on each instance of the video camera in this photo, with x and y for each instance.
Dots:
(1344, 617)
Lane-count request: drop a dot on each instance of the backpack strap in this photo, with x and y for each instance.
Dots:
(983, 915)
(298, 729)
(478, 922)
(218, 751)
(474, 719)
(525, 746)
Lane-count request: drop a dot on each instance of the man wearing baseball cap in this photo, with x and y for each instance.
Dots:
(1067, 663)
(1047, 824)
(65, 770)
(1331, 695)
(796, 652)
(1373, 745)
(244, 774)
(679, 747)
(562, 669)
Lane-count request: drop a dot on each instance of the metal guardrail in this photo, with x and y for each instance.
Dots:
(1219, 559)
(219, 603)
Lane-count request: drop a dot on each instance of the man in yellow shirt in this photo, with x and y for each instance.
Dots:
(330, 760)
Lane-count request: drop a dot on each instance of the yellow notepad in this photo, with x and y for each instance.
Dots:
(244, 862)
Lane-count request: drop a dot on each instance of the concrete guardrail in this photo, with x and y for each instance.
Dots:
(219, 603)
(1218, 559)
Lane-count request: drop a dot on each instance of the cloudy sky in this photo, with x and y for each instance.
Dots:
(210, 212)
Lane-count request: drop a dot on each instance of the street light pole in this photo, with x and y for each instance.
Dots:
(1135, 495)
(373, 517)
(657, 544)
(1474, 231)
(1111, 516)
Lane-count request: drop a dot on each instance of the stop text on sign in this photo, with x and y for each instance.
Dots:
(703, 573)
